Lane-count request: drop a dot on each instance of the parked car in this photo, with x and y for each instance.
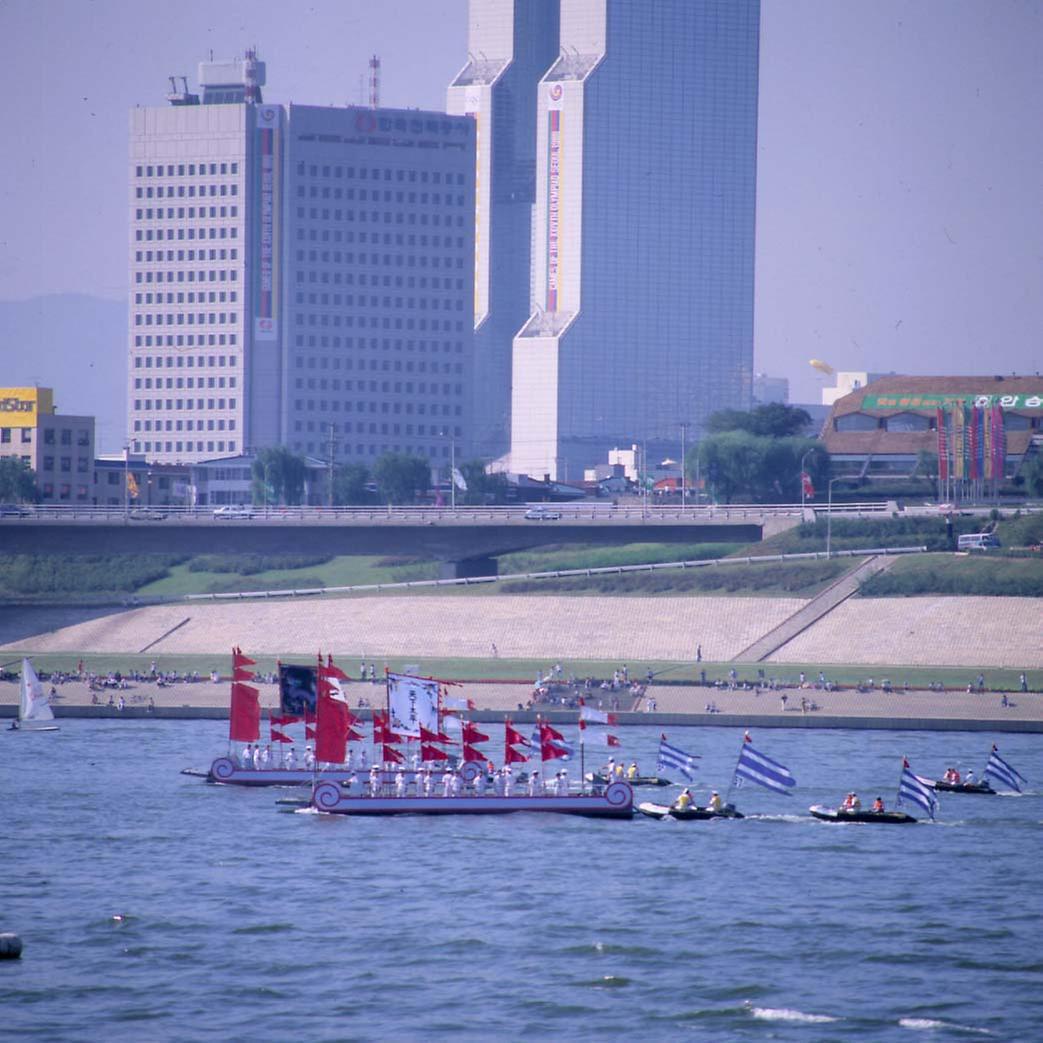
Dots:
(147, 514)
(542, 514)
(233, 510)
(13, 510)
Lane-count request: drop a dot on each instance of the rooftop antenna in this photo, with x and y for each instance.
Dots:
(374, 82)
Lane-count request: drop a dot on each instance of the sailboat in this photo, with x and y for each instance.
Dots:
(34, 710)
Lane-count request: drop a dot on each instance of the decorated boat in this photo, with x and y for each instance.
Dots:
(615, 801)
(912, 789)
(227, 771)
(996, 768)
(692, 813)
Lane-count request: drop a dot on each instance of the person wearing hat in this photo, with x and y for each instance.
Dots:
(535, 787)
(714, 803)
(684, 800)
(400, 783)
(632, 772)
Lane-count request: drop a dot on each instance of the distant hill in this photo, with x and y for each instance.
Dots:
(77, 345)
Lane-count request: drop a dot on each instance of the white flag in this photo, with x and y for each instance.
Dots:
(412, 702)
(458, 480)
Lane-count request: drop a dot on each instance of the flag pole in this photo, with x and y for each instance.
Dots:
(731, 783)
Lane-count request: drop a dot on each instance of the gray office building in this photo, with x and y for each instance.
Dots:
(300, 276)
(511, 44)
(643, 235)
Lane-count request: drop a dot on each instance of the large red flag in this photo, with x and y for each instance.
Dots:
(432, 753)
(331, 730)
(238, 659)
(244, 720)
(513, 737)
(513, 756)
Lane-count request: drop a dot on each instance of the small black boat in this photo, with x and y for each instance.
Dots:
(964, 787)
(600, 779)
(690, 814)
(877, 817)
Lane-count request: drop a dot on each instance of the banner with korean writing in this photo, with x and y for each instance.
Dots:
(412, 704)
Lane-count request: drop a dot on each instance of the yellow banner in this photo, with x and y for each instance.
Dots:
(22, 407)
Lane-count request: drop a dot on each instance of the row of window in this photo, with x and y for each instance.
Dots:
(376, 196)
(148, 214)
(190, 339)
(385, 343)
(181, 382)
(64, 491)
(409, 408)
(203, 297)
(361, 449)
(214, 254)
(348, 300)
(375, 322)
(65, 464)
(183, 191)
(219, 446)
(364, 217)
(183, 425)
(184, 403)
(377, 174)
(181, 169)
(150, 234)
(51, 435)
(187, 318)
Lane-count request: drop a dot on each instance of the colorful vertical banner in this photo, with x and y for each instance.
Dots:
(553, 204)
(987, 472)
(999, 444)
(959, 442)
(941, 420)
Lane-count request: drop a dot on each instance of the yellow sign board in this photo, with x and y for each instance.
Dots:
(23, 407)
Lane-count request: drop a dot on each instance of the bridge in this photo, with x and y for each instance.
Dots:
(466, 539)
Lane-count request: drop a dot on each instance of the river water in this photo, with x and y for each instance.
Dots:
(155, 907)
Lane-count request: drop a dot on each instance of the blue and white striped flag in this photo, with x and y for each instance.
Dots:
(675, 757)
(917, 790)
(755, 767)
(1002, 772)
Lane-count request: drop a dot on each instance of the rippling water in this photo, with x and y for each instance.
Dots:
(155, 907)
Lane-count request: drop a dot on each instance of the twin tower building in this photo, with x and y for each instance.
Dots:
(560, 264)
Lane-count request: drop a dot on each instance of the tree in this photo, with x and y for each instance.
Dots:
(349, 485)
(17, 480)
(400, 476)
(774, 420)
(278, 476)
(738, 464)
(482, 488)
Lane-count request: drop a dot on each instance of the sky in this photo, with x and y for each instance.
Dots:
(900, 157)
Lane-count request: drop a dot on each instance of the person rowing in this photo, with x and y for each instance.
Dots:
(684, 800)
(878, 806)
(714, 803)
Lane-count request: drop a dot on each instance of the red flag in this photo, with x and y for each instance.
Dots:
(472, 755)
(279, 736)
(513, 756)
(809, 489)
(746, 737)
(513, 737)
(471, 734)
(392, 756)
(238, 659)
(612, 740)
(354, 736)
(549, 733)
(382, 732)
(428, 736)
(432, 753)
(589, 714)
(550, 750)
(331, 670)
(244, 719)
(331, 730)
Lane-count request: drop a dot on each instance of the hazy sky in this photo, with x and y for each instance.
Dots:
(900, 211)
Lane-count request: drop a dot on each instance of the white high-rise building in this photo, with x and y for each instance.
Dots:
(300, 276)
(643, 255)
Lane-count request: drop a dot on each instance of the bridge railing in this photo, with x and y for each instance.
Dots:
(585, 512)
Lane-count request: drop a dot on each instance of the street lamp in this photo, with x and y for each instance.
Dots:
(684, 491)
(126, 480)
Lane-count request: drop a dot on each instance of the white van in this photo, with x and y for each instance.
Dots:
(977, 541)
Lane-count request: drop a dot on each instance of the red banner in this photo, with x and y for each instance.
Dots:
(331, 730)
(432, 753)
(472, 755)
(471, 734)
(244, 721)
(392, 756)
(429, 736)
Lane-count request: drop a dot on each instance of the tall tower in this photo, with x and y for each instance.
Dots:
(511, 44)
(643, 257)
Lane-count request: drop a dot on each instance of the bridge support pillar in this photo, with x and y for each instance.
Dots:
(468, 568)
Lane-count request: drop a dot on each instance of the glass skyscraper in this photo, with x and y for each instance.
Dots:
(511, 44)
(643, 231)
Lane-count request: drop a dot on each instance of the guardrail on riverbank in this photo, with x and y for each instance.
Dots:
(605, 570)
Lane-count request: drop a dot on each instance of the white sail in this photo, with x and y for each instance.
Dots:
(35, 706)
